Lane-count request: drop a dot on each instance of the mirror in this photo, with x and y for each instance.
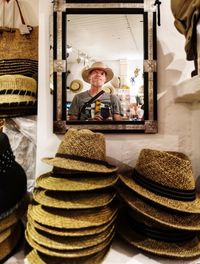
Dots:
(123, 37)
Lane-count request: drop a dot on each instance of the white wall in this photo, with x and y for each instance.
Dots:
(177, 123)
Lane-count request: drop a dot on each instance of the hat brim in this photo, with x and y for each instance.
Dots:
(168, 218)
(108, 71)
(78, 165)
(75, 183)
(182, 206)
(68, 200)
(186, 249)
(79, 86)
(72, 219)
(72, 232)
(36, 257)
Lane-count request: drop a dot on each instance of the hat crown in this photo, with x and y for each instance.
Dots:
(83, 143)
(168, 168)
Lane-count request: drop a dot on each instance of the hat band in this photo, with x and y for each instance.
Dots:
(161, 234)
(169, 192)
(17, 92)
(84, 159)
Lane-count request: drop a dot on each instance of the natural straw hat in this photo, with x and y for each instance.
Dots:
(72, 232)
(97, 66)
(68, 200)
(167, 243)
(52, 182)
(69, 253)
(76, 86)
(72, 219)
(165, 178)
(67, 243)
(17, 88)
(82, 150)
(10, 245)
(36, 257)
(159, 214)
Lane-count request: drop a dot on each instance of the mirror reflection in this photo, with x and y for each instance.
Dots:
(105, 54)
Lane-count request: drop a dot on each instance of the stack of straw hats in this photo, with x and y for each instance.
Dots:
(72, 218)
(17, 95)
(162, 207)
(13, 200)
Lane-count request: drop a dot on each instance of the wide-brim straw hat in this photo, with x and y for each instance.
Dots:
(68, 200)
(36, 257)
(17, 89)
(76, 86)
(15, 214)
(165, 178)
(53, 182)
(73, 219)
(72, 232)
(97, 66)
(159, 214)
(69, 253)
(82, 150)
(187, 248)
(67, 243)
(9, 246)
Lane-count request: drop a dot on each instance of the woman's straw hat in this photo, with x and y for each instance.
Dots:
(72, 232)
(159, 214)
(97, 66)
(82, 150)
(72, 219)
(76, 86)
(75, 183)
(165, 178)
(158, 241)
(36, 257)
(68, 200)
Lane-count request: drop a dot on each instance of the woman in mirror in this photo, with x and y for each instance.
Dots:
(96, 103)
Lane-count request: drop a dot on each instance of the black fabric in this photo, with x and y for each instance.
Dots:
(13, 181)
(172, 193)
(18, 92)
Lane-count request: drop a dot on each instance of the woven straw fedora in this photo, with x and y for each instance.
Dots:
(67, 243)
(36, 257)
(165, 178)
(76, 86)
(82, 150)
(159, 214)
(97, 66)
(150, 238)
(52, 182)
(68, 200)
(72, 232)
(9, 246)
(69, 253)
(17, 88)
(72, 219)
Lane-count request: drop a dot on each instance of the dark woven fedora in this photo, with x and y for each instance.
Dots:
(13, 182)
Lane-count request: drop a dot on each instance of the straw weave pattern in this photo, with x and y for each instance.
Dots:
(170, 169)
(18, 82)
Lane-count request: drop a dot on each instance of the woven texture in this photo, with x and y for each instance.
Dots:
(69, 200)
(69, 253)
(72, 232)
(185, 249)
(72, 219)
(35, 257)
(13, 45)
(168, 218)
(85, 144)
(50, 182)
(67, 243)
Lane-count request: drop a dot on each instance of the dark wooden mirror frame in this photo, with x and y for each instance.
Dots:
(145, 7)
